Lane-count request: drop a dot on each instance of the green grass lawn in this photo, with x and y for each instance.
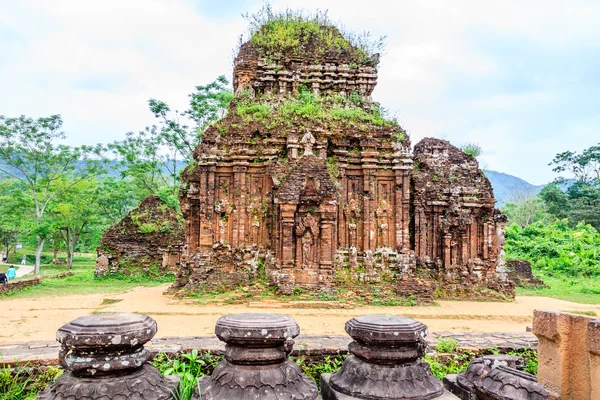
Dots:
(577, 290)
(84, 282)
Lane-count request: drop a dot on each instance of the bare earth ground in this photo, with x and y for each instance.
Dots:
(25, 320)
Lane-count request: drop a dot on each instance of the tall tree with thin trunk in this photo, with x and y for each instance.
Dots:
(75, 215)
(31, 152)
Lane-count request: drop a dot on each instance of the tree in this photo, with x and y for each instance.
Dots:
(75, 214)
(29, 153)
(585, 203)
(557, 202)
(525, 209)
(152, 158)
(114, 199)
(584, 193)
(15, 218)
(207, 105)
(585, 166)
(141, 159)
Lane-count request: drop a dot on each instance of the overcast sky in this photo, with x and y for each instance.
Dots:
(521, 78)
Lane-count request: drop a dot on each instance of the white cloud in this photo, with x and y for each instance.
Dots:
(98, 62)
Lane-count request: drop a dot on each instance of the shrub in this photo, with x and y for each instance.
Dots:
(555, 249)
(298, 32)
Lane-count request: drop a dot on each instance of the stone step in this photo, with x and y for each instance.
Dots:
(297, 304)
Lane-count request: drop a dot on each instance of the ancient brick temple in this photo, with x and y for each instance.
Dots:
(304, 183)
(148, 240)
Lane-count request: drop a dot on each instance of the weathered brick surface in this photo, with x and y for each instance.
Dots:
(148, 239)
(320, 205)
(519, 271)
(459, 236)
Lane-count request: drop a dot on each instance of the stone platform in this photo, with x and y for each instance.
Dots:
(43, 353)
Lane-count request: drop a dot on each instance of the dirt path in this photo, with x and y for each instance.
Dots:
(38, 318)
(23, 270)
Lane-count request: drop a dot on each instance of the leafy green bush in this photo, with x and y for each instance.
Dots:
(447, 345)
(189, 366)
(556, 249)
(531, 359)
(442, 365)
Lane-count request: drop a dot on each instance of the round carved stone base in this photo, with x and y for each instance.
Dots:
(276, 381)
(147, 383)
(364, 380)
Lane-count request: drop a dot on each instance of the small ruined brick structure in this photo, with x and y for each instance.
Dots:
(316, 199)
(147, 240)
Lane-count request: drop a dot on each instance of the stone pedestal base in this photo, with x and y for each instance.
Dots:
(451, 384)
(256, 382)
(146, 383)
(330, 393)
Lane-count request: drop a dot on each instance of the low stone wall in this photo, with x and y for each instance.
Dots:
(569, 354)
(519, 271)
(19, 284)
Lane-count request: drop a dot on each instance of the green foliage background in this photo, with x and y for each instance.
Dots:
(556, 249)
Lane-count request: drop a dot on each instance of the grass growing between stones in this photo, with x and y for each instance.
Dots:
(327, 366)
(444, 363)
(326, 110)
(189, 367)
(24, 383)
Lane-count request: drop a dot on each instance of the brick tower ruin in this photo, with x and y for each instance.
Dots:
(305, 183)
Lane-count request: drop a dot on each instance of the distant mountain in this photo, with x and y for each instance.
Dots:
(507, 187)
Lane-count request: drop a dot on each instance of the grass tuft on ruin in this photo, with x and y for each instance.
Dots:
(298, 32)
(325, 111)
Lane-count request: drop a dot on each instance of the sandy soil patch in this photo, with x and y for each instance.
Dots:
(38, 319)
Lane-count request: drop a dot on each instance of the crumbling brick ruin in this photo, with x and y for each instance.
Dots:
(147, 240)
(306, 183)
(520, 273)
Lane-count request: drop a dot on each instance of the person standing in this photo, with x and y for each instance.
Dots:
(24, 260)
(11, 272)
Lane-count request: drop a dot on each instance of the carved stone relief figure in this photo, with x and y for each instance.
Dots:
(193, 190)
(308, 232)
(501, 262)
(254, 210)
(307, 247)
(383, 216)
(352, 213)
(308, 140)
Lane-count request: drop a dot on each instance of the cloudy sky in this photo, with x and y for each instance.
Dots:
(519, 77)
